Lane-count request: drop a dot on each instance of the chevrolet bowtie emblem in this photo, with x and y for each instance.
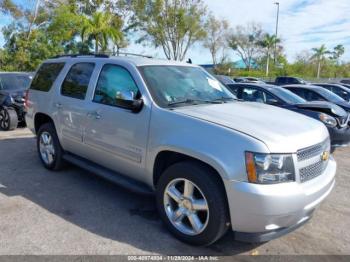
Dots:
(325, 156)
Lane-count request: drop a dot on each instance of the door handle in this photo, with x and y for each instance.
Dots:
(58, 105)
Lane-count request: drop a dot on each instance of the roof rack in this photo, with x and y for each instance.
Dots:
(82, 55)
(103, 55)
(132, 54)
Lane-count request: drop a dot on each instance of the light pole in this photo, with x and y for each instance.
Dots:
(278, 13)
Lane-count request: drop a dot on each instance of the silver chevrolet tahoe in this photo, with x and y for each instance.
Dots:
(172, 129)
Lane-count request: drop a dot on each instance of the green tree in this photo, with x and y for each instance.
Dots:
(216, 37)
(337, 52)
(319, 56)
(101, 27)
(173, 25)
(244, 40)
(267, 43)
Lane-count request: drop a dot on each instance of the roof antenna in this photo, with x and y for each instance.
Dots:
(189, 61)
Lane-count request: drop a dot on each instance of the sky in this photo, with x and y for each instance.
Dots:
(303, 24)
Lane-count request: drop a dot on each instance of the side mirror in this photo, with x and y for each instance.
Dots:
(127, 100)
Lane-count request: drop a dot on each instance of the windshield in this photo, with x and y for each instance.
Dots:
(330, 96)
(170, 85)
(287, 96)
(11, 82)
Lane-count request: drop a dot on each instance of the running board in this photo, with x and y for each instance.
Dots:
(114, 177)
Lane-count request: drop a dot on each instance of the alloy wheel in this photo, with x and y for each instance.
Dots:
(4, 119)
(47, 149)
(186, 206)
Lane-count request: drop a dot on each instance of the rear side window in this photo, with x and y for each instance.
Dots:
(77, 80)
(45, 76)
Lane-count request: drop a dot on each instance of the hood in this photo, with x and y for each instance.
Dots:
(282, 131)
(324, 107)
(345, 105)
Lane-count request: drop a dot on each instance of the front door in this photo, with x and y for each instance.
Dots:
(115, 137)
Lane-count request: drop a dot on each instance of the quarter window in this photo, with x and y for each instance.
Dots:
(77, 80)
(112, 81)
(46, 76)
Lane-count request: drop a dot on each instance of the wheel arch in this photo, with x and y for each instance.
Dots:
(166, 158)
(40, 119)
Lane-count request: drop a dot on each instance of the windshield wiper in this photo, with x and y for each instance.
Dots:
(223, 99)
(194, 101)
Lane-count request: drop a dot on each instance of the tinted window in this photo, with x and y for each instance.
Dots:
(14, 81)
(287, 96)
(234, 89)
(113, 80)
(77, 80)
(298, 91)
(340, 92)
(45, 76)
(255, 95)
(313, 96)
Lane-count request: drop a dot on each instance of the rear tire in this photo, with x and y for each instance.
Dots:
(8, 119)
(200, 218)
(49, 147)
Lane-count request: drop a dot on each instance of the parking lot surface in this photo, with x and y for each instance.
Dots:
(74, 212)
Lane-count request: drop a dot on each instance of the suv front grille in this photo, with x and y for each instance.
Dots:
(312, 151)
(316, 168)
(312, 171)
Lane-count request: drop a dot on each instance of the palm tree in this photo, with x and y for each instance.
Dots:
(268, 43)
(319, 55)
(101, 27)
(338, 51)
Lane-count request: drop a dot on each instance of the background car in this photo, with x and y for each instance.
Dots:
(12, 94)
(317, 93)
(248, 80)
(287, 80)
(340, 90)
(345, 81)
(334, 117)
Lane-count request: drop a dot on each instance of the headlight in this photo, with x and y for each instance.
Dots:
(328, 120)
(269, 168)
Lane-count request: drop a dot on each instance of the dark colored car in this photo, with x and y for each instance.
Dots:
(248, 80)
(340, 90)
(12, 95)
(345, 81)
(287, 80)
(317, 93)
(225, 80)
(334, 117)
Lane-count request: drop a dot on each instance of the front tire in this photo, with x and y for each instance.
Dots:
(8, 119)
(49, 148)
(192, 203)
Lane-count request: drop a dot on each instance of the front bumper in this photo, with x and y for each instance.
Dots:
(339, 136)
(263, 212)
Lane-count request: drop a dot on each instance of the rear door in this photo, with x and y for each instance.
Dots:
(70, 104)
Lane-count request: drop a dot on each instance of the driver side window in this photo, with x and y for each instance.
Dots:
(112, 81)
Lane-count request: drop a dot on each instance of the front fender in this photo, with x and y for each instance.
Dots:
(220, 147)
